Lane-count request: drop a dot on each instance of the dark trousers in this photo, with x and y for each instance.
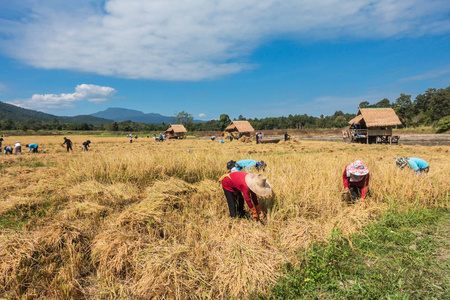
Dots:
(424, 170)
(355, 192)
(231, 200)
(34, 150)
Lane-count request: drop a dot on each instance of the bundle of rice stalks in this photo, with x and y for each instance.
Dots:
(111, 195)
(50, 265)
(246, 139)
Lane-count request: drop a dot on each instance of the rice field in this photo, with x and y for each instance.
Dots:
(149, 220)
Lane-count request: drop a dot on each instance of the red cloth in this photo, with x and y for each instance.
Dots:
(237, 184)
(363, 184)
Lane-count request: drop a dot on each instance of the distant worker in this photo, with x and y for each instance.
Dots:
(419, 165)
(260, 137)
(257, 138)
(231, 137)
(246, 164)
(356, 181)
(8, 150)
(1, 140)
(221, 141)
(240, 186)
(286, 136)
(213, 138)
(131, 138)
(17, 148)
(68, 144)
(33, 148)
(85, 145)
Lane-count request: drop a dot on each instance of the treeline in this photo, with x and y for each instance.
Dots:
(337, 120)
(430, 108)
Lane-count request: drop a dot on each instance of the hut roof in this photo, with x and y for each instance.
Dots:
(240, 126)
(177, 128)
(376, 117)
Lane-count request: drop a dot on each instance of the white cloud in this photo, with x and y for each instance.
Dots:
(202, 115)
(196, 39)
(443, 71)
(83, 92)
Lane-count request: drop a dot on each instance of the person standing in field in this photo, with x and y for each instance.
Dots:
(286, 136)
(356, 181)
(257, 138)
(85, 145)
(240, 186)
(33, 148)
(68, 144)
(17, 148)
(131, 139)
(1, 140)
(8, 149)
(246, 164)
(418, 165)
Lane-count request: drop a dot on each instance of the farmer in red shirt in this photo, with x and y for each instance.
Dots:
(356, 181)
(240, 186)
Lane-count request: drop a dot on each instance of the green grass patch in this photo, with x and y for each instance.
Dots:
(17, 217)
(401, 256)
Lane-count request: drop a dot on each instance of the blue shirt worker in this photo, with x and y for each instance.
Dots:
(246, 164)
(33, 147)
(418, 165)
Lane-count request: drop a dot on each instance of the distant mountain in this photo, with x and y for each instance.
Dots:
(123, 114)
(19, 114)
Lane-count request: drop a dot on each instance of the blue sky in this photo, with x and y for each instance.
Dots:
(256, 58)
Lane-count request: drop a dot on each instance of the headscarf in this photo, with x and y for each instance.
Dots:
(401, 162)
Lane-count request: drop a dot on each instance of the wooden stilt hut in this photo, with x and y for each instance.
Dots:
(176, 131)
(238, 129)
(373, 125)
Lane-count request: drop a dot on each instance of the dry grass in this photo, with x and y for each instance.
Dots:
(148, 220)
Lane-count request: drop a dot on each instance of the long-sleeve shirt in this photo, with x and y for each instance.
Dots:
(32, 146)
(363, 184)
(245, 164)
(236, 183)
(417, 163)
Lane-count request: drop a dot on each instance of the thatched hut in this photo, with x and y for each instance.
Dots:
(373, 125)
(176, 131)
(239, 129)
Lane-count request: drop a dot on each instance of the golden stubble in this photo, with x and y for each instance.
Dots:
(149, 220)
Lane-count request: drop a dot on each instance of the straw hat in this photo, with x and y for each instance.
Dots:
(357, 168)
(258, 184)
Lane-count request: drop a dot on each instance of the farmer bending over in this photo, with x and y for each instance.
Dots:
(86, 145)
(240, 186)
(8, 150)
(356, 181)
(68, 144)
(419, 165)
(33, 147)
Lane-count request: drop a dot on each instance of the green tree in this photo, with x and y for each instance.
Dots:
(114, 126)
(403, 107)
(443, 125)
(364, 104)
(184, 118)
(440, 104)
(385, 103)
(224, 121)
(340, 122)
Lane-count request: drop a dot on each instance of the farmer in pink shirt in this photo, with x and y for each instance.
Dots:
(356, 181)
